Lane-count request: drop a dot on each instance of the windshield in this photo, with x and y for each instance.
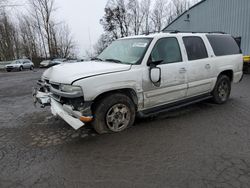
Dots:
(126, 51)
(15, 62)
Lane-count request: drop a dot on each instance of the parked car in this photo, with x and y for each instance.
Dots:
(51, 63)
(142, 75)
(45, 64)
(57, 61)
(20, 65)
(72, 61)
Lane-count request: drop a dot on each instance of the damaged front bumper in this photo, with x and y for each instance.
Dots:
(66, 112)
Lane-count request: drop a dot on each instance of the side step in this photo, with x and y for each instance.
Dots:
(173, 106)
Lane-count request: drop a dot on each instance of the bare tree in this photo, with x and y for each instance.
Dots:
(9, 41)
(136, 15)
(179, 7)
(158, 15)
(145, 8)
(66, 44)
(28, 34)
(42, 11)
(116, 19)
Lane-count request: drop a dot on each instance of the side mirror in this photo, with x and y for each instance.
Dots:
(155, 74)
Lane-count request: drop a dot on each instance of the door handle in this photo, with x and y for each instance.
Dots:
(208, 66)
(183, 70)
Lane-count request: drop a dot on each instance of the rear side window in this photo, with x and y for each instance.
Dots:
(195, 48)
(223, 45)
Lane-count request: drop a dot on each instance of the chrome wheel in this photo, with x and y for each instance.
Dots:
(223, 90)
(118, 117)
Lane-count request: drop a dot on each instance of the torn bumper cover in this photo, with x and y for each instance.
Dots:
(74, 118)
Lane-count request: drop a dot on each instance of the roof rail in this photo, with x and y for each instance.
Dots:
(150, 32)
(177, 31)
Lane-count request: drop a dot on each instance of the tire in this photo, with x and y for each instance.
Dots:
(113, 114)
(20, 68)
(32, 68)
(222, 90)
(8, 70)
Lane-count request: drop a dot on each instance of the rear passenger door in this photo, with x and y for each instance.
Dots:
(25, 64)
(198, 66)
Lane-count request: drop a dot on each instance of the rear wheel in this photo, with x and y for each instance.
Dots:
(32, 68)
(114, 113)
(222, 90)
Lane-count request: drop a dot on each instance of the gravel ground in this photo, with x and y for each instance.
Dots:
(203, 145)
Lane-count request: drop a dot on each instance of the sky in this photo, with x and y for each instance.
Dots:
(83, 18)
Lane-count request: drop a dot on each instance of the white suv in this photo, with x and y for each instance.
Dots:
(142, 75)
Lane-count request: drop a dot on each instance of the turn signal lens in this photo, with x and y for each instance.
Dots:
(86, 119)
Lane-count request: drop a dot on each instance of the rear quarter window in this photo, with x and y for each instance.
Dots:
(223, 45)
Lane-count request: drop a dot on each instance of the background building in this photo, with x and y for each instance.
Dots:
(230, 16)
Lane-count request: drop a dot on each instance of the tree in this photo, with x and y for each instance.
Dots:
(116, 19)
(145, 8)
(29, 43)
(101, 44)
(158, 15)
(9, 43)
(179, 6)
(66, 44)
(136, 16)
(42, 12)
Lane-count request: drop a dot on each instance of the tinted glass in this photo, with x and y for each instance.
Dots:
(195, 48)
(223, 45)
(167, 50)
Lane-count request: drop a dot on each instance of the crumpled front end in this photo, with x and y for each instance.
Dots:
(66, 102)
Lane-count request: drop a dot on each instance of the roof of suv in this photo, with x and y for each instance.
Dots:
(167, 34)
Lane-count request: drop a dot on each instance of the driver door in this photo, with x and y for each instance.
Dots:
(173, 84)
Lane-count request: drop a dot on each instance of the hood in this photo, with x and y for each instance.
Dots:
(68, 73)
(12, 65)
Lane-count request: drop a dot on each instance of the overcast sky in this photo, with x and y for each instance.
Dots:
(83, 17)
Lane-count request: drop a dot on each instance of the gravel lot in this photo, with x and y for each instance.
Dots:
(203, 145)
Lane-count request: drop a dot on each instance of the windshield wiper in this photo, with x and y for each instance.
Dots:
(113, 60)
(96, 59)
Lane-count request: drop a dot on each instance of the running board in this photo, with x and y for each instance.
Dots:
(173, 106)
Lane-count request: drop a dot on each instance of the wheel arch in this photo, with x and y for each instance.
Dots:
(131, 93)
(228, 73)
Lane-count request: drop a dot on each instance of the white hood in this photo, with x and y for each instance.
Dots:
(68, 73)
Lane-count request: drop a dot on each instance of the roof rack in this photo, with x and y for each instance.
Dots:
(177, 31)
(151, 32)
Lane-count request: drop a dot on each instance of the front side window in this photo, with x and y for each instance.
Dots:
(126, 51)
(195, 48)
(223, 45)
(166, 50)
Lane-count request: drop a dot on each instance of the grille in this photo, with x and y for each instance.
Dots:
(55, 86)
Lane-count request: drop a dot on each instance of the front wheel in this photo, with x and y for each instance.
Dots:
(114, 113)
(222, 90)
(20, 68)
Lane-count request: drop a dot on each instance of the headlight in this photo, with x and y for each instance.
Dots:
(70, 88)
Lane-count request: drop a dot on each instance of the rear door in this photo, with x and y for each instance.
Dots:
(199, 71)
(173, 84)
